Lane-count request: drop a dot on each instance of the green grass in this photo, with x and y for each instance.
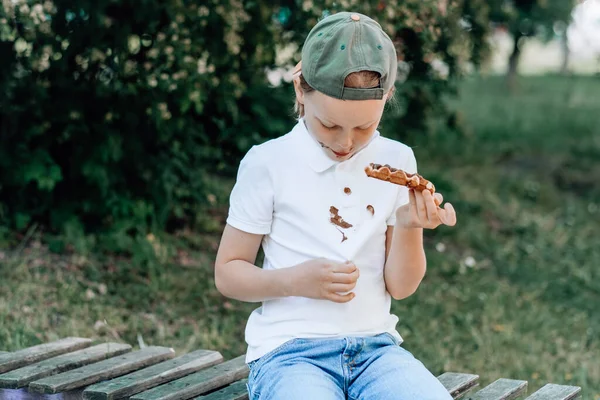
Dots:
(512, 291)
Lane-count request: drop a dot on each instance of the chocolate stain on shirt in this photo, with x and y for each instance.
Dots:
(337, 220)
(344, 237)
(371, 209)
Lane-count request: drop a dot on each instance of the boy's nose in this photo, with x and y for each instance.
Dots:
(345, 142)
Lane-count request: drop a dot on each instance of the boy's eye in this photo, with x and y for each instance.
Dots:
(335, 127)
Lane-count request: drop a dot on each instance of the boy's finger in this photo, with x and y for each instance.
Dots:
(432, 210)
(448, 215)
(342, 288)
(345, 277)
(451, 214)
(438, 199)
(340, 298)
(412, 199)
(421, 210)
(345, 268)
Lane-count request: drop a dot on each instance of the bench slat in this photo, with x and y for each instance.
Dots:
(22, 377)
(235, 391)
(552, 391)
(153, 376)
(199, 382)
(102, 370)
(33, 354)
(458, 384)
(502, 389)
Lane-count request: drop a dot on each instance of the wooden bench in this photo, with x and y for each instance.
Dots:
(74, 368)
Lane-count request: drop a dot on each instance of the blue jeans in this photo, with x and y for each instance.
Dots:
(353, 368)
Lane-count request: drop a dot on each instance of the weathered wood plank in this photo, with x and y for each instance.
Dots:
(22, 377)
(102, 370)
(33, 354)
(458, 384)
(153, 376)
(235, 391)
(198, 383)
(502, 389)
(552, 391)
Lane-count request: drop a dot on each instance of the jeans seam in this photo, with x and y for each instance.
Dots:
(251, 393)
(250, 383)
(343, 367)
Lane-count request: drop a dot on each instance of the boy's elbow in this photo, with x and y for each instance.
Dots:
(220, 281)
(402, 294)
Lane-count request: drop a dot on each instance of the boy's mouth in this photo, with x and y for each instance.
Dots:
(340, 154)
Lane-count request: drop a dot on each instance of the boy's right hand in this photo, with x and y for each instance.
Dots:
(324, 279)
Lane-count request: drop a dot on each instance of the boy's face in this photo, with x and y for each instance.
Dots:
(342, 127)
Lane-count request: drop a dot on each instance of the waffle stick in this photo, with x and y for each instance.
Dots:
(399, 177)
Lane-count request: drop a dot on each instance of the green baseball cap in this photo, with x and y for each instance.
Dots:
(343, 43)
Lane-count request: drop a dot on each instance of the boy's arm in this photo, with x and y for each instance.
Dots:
(237, 277)
(406, 263)
(405, 257)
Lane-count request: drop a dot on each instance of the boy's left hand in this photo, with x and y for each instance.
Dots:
(423, 211)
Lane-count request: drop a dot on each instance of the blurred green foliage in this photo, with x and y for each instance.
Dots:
(527, 18)
(434, 49)
(113, 113)
(116, 115)
(530, 17)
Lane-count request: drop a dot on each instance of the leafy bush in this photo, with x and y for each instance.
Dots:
(115, 114)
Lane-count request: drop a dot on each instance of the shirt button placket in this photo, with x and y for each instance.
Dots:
(348, 198)
(344, 179)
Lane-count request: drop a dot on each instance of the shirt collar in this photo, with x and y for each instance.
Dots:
(316, 156)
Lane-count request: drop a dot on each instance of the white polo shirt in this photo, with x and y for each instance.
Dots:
(285, 190)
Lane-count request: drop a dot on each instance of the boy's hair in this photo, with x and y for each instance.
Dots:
(358, 80)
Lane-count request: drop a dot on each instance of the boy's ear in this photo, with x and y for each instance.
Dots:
(299, 91)
(390, 95)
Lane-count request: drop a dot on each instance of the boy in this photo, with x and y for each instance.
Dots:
(338, 245)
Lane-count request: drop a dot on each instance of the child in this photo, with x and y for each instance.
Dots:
(338, 245)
